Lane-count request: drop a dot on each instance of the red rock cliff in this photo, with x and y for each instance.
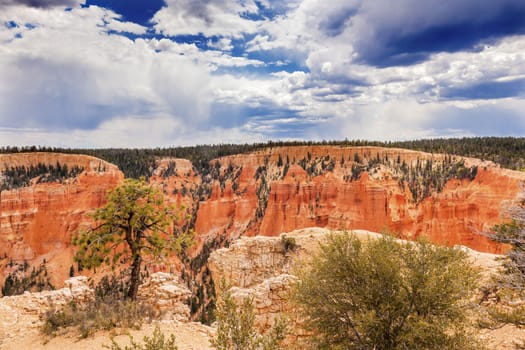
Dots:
(266, 193)
(374, 201)
(37, 222)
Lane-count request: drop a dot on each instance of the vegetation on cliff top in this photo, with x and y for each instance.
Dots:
(21, 279)
(21, 176)
(108, 309)
(507, 151)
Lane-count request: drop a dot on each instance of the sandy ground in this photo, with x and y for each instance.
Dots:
(190, 336)
(195, 336)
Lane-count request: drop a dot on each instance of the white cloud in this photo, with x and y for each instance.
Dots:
(76, 75)
(216, 17)
(65, 73)
(223, 44)
(132, 131)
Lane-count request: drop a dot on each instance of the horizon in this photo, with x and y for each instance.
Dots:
(266, 143)
(175, 73)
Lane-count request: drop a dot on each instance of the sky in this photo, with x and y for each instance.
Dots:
(159, 73)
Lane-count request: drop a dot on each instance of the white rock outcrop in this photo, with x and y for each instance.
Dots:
(21, 314)
(168, 296)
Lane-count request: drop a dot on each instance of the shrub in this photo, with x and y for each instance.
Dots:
(386, 295)
(289, 244)
(509, 286)
(156, 342)
(108, 310)
(235, 327)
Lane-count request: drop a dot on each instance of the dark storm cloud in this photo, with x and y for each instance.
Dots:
(335, 23)
(487, 90)
(406, 32)
(39, 3)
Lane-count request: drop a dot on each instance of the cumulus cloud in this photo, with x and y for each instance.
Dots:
(84, 77)
(380, 34)
(211, 18)
(253, 70)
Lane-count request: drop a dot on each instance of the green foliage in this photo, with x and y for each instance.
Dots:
(513, 233)
(21, 176)
(430, 176)
(318, 165)
(135, 163)
(132, 224)
(100, 315)
(385, 295)
(198, 278)
(509, 286)
(422, 178)
(156, 342)
(235, 327)
(262, 191)
(171, 170)
(21, 280)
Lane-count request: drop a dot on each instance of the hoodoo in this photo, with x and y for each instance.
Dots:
(448, 199)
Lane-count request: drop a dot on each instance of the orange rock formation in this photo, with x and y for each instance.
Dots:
(37, 222)
(374, 202)
(263, 193)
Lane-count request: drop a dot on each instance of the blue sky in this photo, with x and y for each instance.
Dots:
(129, 73)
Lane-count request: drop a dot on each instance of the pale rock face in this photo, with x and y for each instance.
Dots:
(168, 296)
(249, 261)
(21, 314)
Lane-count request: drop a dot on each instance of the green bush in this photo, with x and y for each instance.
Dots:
(235, 326)
(386, 295)
(156, 342)
(509, 287)
(289, 244)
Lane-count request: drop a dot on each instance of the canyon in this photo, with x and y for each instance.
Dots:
(448, 199)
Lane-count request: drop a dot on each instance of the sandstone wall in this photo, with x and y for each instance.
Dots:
(37, 222)
(375, 201)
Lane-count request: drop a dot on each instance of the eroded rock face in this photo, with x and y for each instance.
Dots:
(283, 189)
(21, 313)
(37, 222)
(167, 295)
(263, 193)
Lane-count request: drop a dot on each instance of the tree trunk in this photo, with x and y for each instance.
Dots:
(134, 280)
